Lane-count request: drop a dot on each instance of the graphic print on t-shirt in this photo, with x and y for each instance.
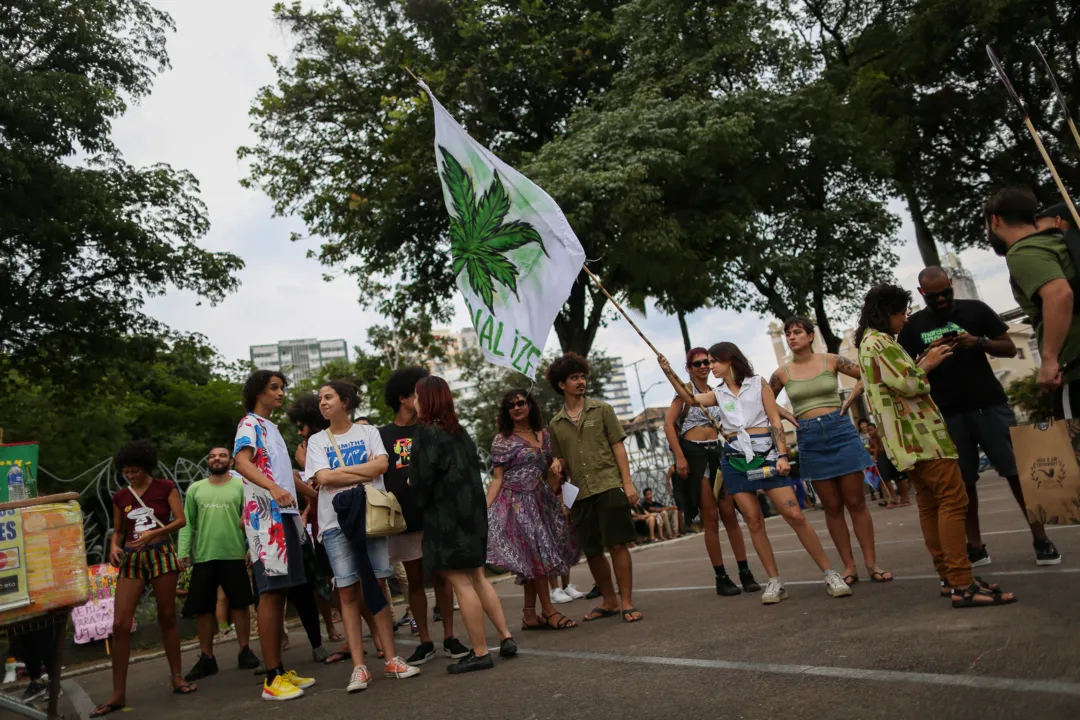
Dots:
(142, 520)
(403, 450)
(354, 452)
(937, 333)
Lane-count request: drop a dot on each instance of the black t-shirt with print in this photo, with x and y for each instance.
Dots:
(651, 506)
(965, 381)
(398, 442)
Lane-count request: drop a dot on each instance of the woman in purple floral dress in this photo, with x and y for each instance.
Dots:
(527, 532)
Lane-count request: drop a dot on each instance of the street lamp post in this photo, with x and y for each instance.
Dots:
(642, 391)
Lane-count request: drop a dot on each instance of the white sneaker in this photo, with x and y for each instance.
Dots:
(836, 585)
(774, 592)
(359, 679)
(559, 596)
(573, 592)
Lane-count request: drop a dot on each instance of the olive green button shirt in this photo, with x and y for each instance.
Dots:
(585, 448)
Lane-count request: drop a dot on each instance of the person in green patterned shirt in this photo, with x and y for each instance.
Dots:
(917, 441)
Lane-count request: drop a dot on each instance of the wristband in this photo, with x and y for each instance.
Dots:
(984, 344)
(783, 455)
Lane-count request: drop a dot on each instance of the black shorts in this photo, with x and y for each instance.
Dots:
(1066, 401)
(206, 577)
(988, 429)
(602, 521)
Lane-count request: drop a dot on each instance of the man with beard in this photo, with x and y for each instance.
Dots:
(217, 557)
(969, 396)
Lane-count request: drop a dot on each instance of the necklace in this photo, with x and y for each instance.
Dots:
(574, 417)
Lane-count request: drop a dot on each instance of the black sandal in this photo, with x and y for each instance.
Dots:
(878, 576)
(850, 580)
(967, 597)
(599, 613)
(336, 657)
(947, 590)
(564, 624)
(107, 709)
(628, 615)
(540, 625)
(186, 689)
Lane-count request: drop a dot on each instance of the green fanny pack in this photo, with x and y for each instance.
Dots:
(740, 463)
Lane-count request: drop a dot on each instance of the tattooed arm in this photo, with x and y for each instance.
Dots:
(852, 398)
(776, 383)
(768, 399)
(847, 367)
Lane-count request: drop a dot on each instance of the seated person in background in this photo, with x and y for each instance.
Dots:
(644, 522)
(669, 514)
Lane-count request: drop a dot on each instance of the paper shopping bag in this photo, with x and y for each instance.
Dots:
(1047, 457)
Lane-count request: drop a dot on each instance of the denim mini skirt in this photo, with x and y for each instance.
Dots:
(830, 446)
(736, 481)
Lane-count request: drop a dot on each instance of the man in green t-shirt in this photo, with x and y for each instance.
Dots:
(1042, 276)
(587, 442)
(217, 557)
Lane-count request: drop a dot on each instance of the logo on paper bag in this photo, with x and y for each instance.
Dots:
(1048, 473)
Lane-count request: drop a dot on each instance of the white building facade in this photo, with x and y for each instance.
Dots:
(298, 359)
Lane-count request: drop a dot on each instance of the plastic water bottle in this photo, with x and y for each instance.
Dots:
(16, 484)
(761, 473)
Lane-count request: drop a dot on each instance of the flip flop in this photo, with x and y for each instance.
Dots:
(878, 576)
(628, 615)
(336, 657)
(337, 637)
(850, 580)
(107, 709)
(186, 689)
(600, 614)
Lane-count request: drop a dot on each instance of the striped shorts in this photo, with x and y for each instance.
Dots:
(149, 562)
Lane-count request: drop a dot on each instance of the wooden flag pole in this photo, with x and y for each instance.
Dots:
(672, 378)
(1060, 96)
(1034, 133)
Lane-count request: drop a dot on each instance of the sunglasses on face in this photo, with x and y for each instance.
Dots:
(946, 294)
(700, 363)
(515, 404)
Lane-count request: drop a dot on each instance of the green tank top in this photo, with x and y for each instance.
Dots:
(813, 393)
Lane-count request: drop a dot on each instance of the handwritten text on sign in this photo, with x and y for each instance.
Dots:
(94, 620)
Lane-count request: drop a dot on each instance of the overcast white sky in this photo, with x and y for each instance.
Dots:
(197, 117)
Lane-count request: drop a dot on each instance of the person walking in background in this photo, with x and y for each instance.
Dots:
(262, 459)
(343, 456)
(755, 460)
(831, 455)
(445, 477)
(697, 447)
(145, 515)
(408, 547)
(212, 544)
(917, 441)
(970, 397)
(527, 532)
(587, 442)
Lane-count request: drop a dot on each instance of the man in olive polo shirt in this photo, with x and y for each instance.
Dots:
(1042, 276)
(587, 441)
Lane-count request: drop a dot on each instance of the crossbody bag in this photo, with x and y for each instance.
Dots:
(384, 516)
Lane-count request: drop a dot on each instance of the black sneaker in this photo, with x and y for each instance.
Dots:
(471, 663)
(725, 587)
(508, 648)
(594, 593)
(1046, 553)
(453, 648)
(749, 584)
(979, 557)
(34, 690)
(423, 653)
(436, 614)
(247, 660)
(204, 667)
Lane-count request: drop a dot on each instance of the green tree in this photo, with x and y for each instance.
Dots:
(85, 238)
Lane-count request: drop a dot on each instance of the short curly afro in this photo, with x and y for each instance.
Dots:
(137, 453)
(563, 367)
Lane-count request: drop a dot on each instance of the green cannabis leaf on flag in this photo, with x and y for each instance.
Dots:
(479, 239)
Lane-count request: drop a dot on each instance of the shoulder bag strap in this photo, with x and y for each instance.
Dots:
(140, 501)
(337, 450)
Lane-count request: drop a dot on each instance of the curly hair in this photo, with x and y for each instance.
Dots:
(563, 367)
(506, 424)
(257, 383)
(305, 411)
(137, 453)
(402, 384)
(881, 302)
(741, 368)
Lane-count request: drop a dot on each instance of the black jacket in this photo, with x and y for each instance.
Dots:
(351, 508)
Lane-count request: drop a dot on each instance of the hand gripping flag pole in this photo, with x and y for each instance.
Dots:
(1034, 134)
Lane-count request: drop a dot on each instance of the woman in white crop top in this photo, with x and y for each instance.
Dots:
(756, 458)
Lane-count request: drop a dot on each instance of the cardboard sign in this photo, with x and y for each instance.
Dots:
(14, 592)
(94, 620)
(1048, 458)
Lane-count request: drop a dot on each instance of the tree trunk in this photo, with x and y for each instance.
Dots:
(685, 331)
(923, 237)
(821, 319)
(576, 325)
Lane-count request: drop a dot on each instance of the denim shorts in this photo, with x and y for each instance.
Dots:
(378, 551)
(349, 570)
(829, 447)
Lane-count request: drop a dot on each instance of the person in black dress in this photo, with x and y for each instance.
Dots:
(445, 478)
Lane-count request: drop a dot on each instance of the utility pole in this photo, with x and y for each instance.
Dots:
(638, 376)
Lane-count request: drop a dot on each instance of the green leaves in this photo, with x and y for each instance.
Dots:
(479, 239)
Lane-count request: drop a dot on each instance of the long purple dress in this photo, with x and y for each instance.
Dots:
(527, 533)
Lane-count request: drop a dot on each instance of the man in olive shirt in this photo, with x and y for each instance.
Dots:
(1042, 277)
(587, 441)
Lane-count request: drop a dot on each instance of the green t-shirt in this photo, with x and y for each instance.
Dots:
(1033, 262)
(213, 517)
(585, 448)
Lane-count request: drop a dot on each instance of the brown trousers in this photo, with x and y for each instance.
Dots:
(942, 500)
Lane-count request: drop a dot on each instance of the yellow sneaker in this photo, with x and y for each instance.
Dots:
(281, 689)
(301, 682)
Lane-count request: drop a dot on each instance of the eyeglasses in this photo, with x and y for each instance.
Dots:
(946, 294)
(699, 363)
(515, 404)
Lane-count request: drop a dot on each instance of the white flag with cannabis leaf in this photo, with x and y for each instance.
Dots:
(514, 255)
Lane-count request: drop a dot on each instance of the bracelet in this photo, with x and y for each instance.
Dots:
(783, 455)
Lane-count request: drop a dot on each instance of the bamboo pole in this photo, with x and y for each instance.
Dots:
(1060, 96)
(671, 376)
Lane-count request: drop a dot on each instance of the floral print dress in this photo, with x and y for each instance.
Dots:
(527, 533)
